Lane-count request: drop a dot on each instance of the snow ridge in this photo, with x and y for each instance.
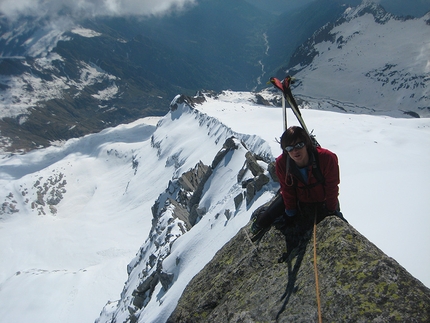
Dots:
(114, 178)
(159, 265)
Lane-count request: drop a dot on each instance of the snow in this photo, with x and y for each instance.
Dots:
(16, 101)
(393, 61)
(85, 32)
(64, 265)
(108, 93)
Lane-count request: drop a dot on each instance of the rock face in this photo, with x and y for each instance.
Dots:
(358, 283)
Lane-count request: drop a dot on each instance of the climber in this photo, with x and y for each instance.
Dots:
(309, 180)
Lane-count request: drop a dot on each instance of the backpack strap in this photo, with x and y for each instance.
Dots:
(316, 171)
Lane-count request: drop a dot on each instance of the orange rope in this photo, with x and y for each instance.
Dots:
(316, 270)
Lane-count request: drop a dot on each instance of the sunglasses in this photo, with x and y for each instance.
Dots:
(297, 146)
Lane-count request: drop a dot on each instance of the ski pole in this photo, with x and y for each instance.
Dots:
(284, 113)
(277, 83)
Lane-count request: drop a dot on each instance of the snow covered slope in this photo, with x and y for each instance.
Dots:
(74, 216)
(376, 62)
(71, 218)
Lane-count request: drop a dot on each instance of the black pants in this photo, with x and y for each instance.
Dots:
(274, 214)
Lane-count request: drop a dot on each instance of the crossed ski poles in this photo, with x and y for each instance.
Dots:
(284, 86)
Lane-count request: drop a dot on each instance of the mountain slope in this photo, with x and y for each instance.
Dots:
(368, 58)
(65, 78)
(292, 28)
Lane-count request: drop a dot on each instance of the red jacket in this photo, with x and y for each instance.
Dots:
(293, 188)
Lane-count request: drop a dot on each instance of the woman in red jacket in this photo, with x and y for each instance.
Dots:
(309, 179)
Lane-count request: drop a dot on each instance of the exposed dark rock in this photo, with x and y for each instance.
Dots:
(358, 283)
(165, 279)
(196, 213)
(190, 180)
(190, 101)
(146, 285)
(272, 171)
(253, 165)
(260, 181)
(181, 213)
(412, 114)
(250, 192)
(229, 145)
(202, 173)
(261, 101)
(238, 201)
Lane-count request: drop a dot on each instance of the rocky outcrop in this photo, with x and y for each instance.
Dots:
(259, 179)
(190, 101)
(358, 283)
(43, 196)
(192, 182)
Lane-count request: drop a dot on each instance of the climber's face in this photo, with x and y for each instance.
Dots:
(298, 153)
